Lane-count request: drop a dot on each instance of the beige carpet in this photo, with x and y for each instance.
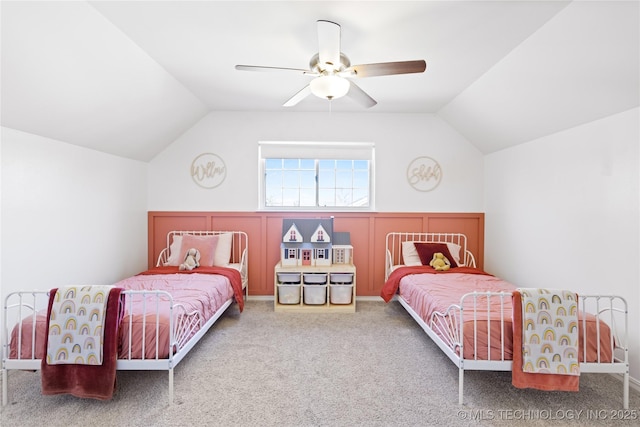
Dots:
(375, 367)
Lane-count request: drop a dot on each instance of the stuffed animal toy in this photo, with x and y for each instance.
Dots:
(440, 262)
(191, 260)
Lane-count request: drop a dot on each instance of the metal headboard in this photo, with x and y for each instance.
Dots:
(395, 239)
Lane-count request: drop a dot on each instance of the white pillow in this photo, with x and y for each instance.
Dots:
(454, 250)
(223, 250)
(175, 251)
(410, 255)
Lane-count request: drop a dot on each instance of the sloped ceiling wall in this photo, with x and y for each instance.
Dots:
(128, 78)
(70, 75)
(581, 66)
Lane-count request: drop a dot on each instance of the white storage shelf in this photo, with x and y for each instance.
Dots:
(319, 288)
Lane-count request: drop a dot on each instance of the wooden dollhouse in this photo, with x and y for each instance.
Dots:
(312, 242)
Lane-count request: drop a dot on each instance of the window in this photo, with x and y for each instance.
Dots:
(316, 175)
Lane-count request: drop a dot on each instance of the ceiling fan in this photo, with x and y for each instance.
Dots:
(331, 69)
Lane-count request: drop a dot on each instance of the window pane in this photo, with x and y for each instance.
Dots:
(343, 179)
(308, 164)
(291, 179)
(312, 182)
(326, 164)
(273, 196)
(273, 163)
(326, 179)
(361, 164)
(344, 164)
(273, 178)
(290, 197)
(291, 163)
(308, 179)
(326, 197)
(343, 197)
(308, 197)
(361, 179)
(361, 197)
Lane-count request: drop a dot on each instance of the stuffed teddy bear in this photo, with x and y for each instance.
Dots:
(191, 260)
(440, 262)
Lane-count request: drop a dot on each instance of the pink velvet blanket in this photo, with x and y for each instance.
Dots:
(87, 381)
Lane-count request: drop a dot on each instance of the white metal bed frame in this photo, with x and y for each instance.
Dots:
(608, 309)
(22, 305)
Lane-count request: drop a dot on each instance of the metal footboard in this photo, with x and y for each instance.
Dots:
(447, 329)
(24, 320)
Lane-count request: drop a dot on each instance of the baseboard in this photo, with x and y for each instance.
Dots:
(633, 383)
(259, 298)
(369, 298)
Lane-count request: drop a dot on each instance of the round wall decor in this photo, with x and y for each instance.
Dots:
(208, 170)
(424, 173)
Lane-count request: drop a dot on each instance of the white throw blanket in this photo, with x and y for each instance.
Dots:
(550, 331)
(76, 325)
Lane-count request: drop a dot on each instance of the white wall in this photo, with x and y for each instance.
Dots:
(70, 215)
(563, 212)
(399, 138)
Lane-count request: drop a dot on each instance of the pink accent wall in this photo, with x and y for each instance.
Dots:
(368, 233)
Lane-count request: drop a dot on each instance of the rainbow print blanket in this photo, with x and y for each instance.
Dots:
(549, 331)
(76, 325)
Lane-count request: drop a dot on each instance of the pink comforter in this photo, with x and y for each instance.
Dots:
(204, 293)
(428, 291)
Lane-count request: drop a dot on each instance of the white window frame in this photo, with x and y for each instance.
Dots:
(316, 150)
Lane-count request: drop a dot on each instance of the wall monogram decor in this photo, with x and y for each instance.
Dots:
(208, 170)
(424, 173)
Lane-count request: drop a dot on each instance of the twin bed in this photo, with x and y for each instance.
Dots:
(164, 311)
(470, 314)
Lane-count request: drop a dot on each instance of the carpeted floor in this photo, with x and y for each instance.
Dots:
(375, 367)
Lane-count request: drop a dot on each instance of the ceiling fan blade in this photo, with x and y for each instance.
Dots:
(329, 43)
(360, 96)
(261, 68)
(386, 68)
(302, 94)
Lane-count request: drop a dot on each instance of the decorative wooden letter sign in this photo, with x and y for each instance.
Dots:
(208, 170)
(424, 173)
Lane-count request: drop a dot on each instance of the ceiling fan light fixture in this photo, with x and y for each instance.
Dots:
(329, 87)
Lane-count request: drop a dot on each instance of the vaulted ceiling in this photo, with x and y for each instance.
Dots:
(129, 77)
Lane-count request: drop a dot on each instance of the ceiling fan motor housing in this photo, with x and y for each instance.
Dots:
(328, 68)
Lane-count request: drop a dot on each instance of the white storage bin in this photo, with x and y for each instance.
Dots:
(315, 278)
(315, 294)
(288, 277)
(346, 278)
(341, 294)
(289, 294)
